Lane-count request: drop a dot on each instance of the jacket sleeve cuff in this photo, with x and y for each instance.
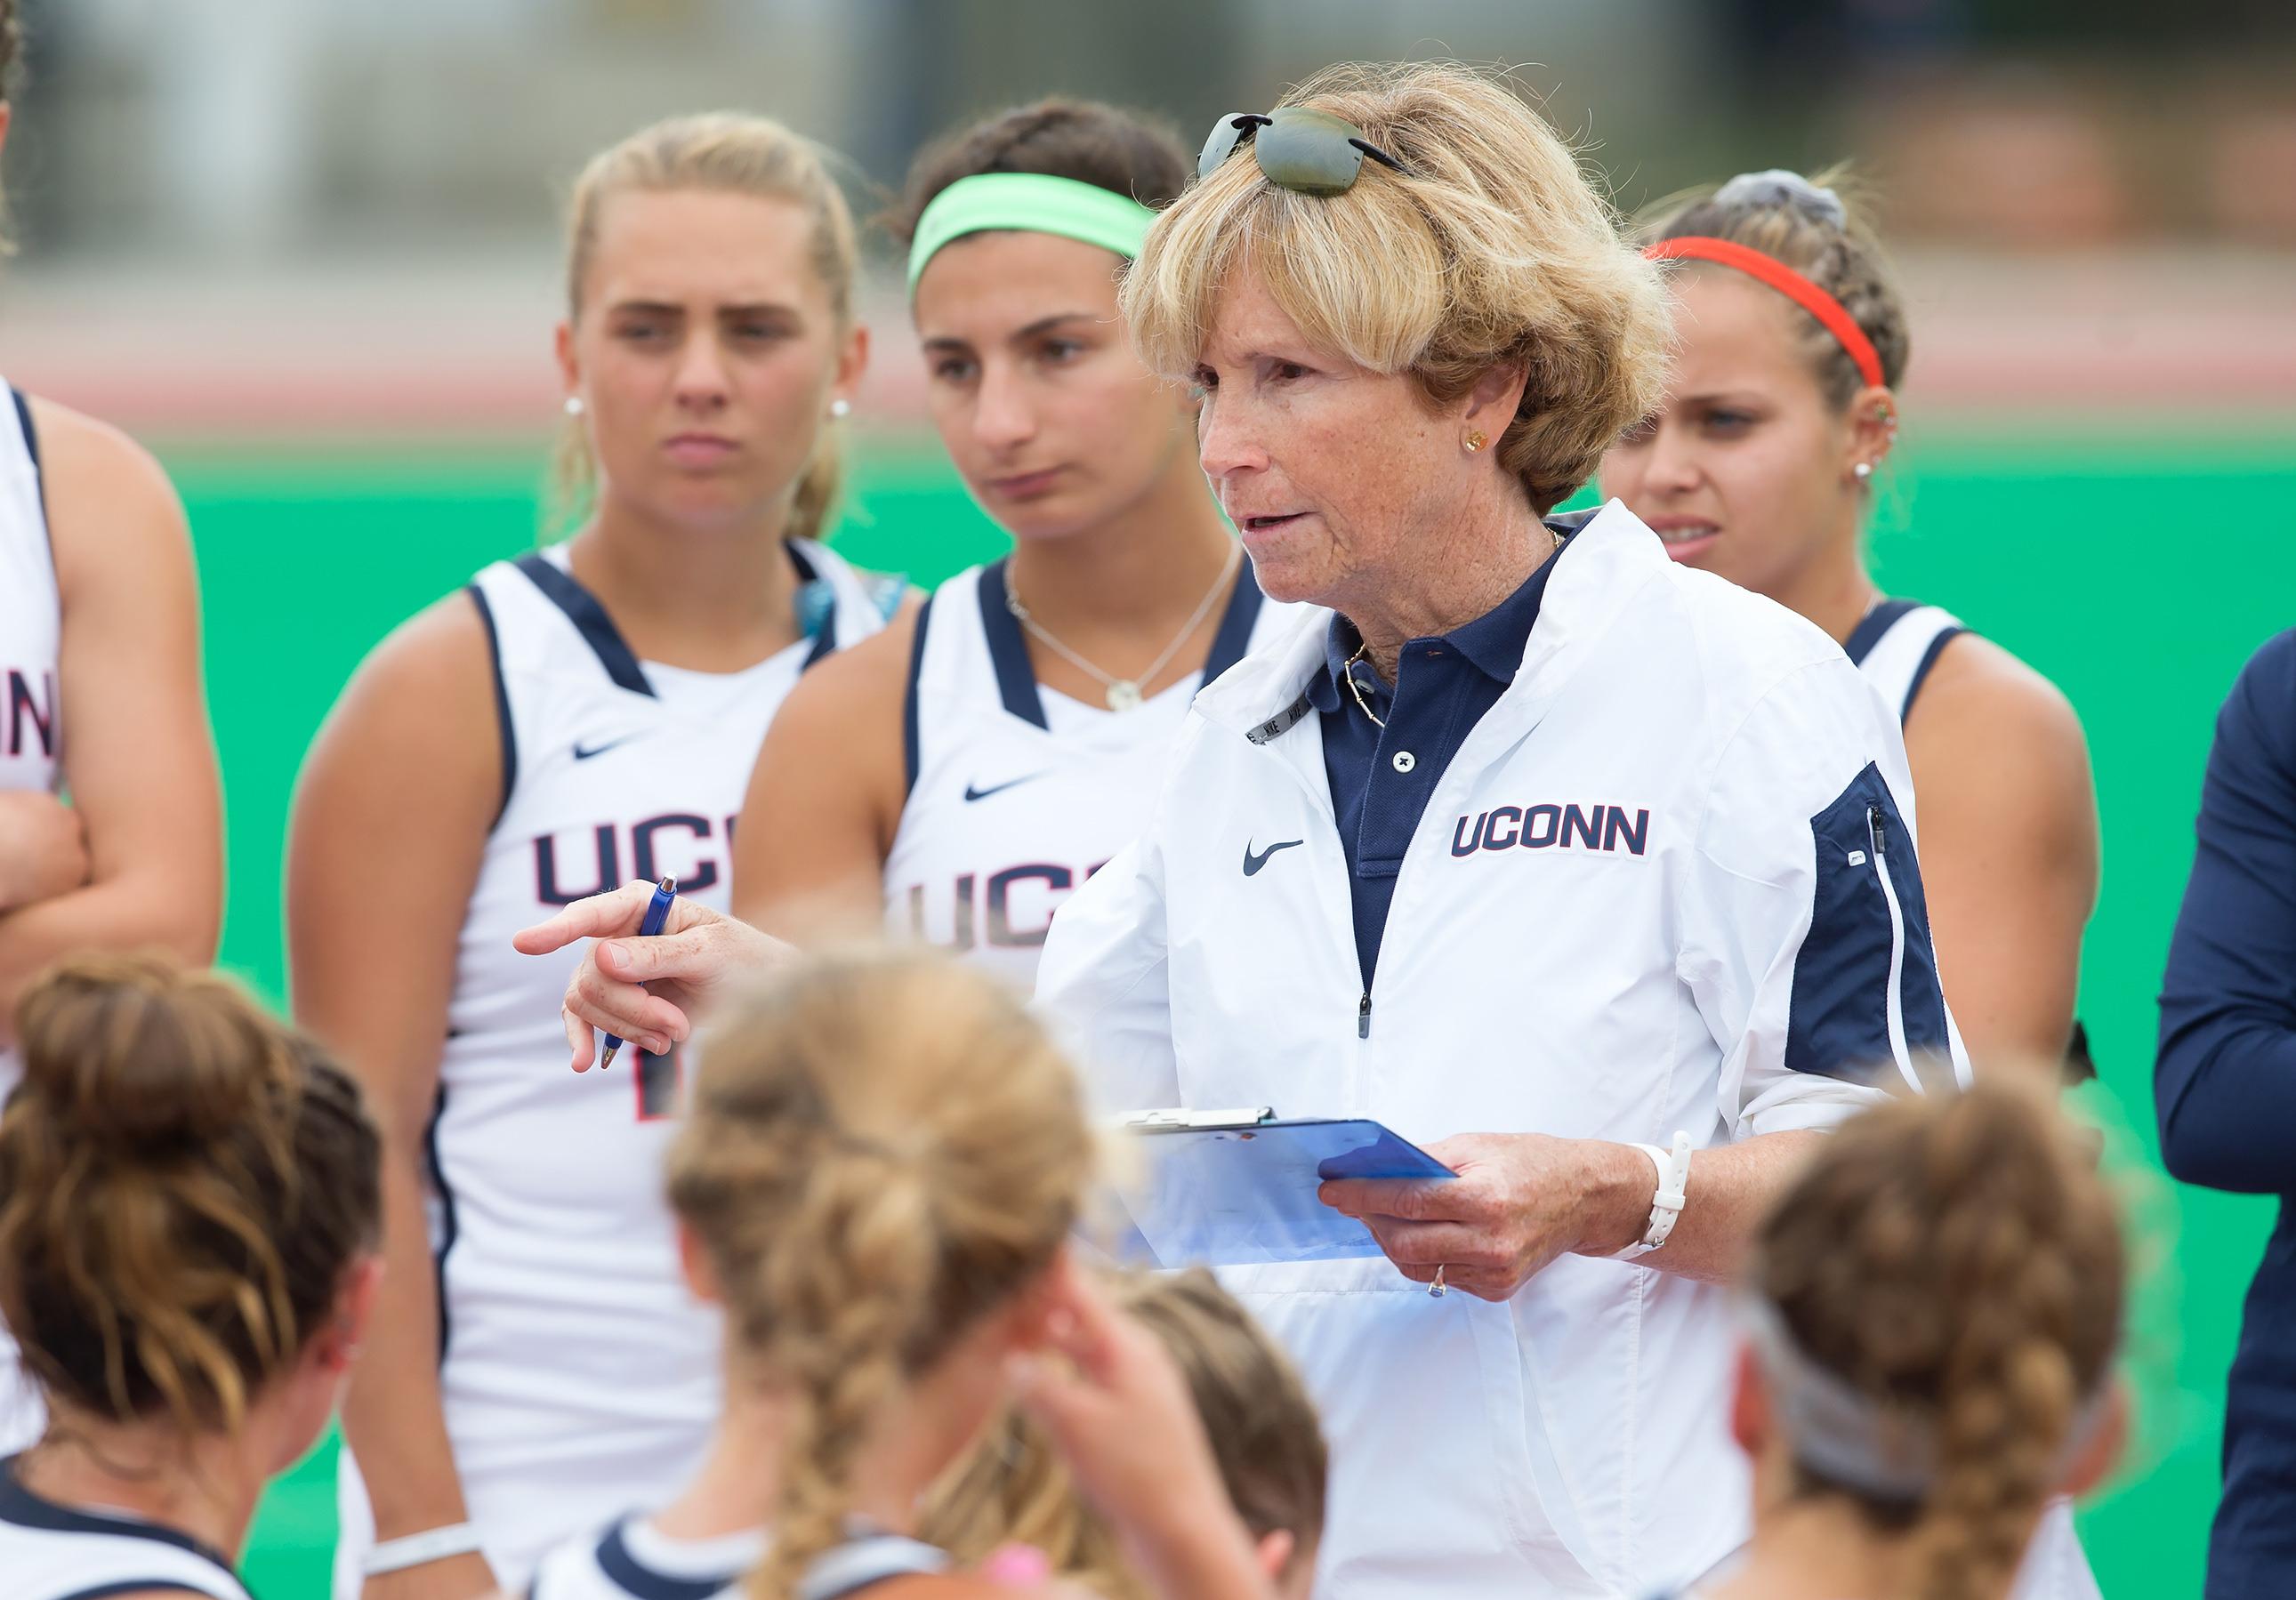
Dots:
(1809, 1104)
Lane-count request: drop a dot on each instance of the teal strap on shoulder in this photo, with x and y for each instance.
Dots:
(1029, 202)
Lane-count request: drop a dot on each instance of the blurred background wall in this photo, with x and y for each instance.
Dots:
(297, 209)
(307, 248)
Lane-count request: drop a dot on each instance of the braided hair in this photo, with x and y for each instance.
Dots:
(883, 1150)
(1955, 1264)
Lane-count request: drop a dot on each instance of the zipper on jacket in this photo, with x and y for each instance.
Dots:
(1894, 1006)
(1362, 1016)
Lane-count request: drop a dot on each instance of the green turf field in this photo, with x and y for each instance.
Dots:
(2137, 573)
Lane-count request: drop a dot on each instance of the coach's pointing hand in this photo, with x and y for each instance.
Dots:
(1519, 1200)
(686, 966)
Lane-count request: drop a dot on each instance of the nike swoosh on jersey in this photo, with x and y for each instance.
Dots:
(1254, 860)
(583, 752)
(972, 794)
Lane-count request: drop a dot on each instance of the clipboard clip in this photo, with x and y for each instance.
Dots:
(1184, 1121)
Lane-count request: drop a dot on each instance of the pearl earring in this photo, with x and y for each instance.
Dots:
(1476, 441)
(573, 406)
(841, 408)
(1864, 469)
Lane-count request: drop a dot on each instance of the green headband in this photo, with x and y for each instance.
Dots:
(1032, 202)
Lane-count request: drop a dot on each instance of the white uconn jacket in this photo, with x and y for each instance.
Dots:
(1668, 882)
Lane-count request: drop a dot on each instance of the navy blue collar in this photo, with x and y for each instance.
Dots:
(616, 1561)
(589, 617)
(19, 1504)
(1016, 675)
(1493, 643)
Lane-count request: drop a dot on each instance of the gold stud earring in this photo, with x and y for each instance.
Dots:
(1476, 441)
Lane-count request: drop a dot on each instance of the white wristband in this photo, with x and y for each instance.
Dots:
(1673, 1170)
(420, 1549)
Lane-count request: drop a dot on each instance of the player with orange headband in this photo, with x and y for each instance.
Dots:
(1760, 468)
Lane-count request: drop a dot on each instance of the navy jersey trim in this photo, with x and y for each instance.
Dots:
(867, 1561)
(23, 1508)
(139, 1586)
(504, 727)
(1871, 627)
(909, 734)
(1922, 671)
(1233, 638)
(590, 620)
(1838, 1011)
(1008, 649)
(824, 639)
(642, 1581)
(449, 1224)
(31, 446)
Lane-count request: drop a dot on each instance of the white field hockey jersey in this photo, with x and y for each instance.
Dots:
(31, 731)
(1667, 883)
(633, 1561)
(575, 1364)
(30, 618)
(1895, 645)
(1017, 793)
(53, 1552)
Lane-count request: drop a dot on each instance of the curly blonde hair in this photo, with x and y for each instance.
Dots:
(883, 1150)
(1495, 251)
(1958, 1261)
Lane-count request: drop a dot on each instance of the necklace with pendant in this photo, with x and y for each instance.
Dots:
(1123, 694)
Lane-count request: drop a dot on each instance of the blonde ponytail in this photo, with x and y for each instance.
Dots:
(884, 1150)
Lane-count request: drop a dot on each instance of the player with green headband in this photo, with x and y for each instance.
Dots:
(953, 780)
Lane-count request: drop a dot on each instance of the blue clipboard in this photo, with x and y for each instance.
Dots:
(1229, 1188)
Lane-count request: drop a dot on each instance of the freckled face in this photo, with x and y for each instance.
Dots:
(1742, 471)
(1328, 470)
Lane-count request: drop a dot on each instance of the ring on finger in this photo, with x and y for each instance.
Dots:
(1437, 1288)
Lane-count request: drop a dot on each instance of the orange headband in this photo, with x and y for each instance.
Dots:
(1788, 283)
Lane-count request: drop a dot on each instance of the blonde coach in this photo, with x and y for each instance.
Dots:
(1535, 844)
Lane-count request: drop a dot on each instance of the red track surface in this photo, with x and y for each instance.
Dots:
(448, 350)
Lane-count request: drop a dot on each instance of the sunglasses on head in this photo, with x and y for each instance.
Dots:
(1309, 152)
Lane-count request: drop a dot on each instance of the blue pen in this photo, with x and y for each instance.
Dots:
(657, 913)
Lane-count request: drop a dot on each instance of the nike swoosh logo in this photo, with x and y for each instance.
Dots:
(583, 752)
(1254, 860)
(972, 794)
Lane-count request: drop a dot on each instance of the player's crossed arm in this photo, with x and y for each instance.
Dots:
(697, 957)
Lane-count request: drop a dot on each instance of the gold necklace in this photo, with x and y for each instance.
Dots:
(1123, 694)
(1356, 688)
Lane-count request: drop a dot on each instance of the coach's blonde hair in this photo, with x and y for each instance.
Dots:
(1957, 1260)
(722, 152)
(883, 1150)
(1818, 227)
(1263, 1428)
(1495, 252)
